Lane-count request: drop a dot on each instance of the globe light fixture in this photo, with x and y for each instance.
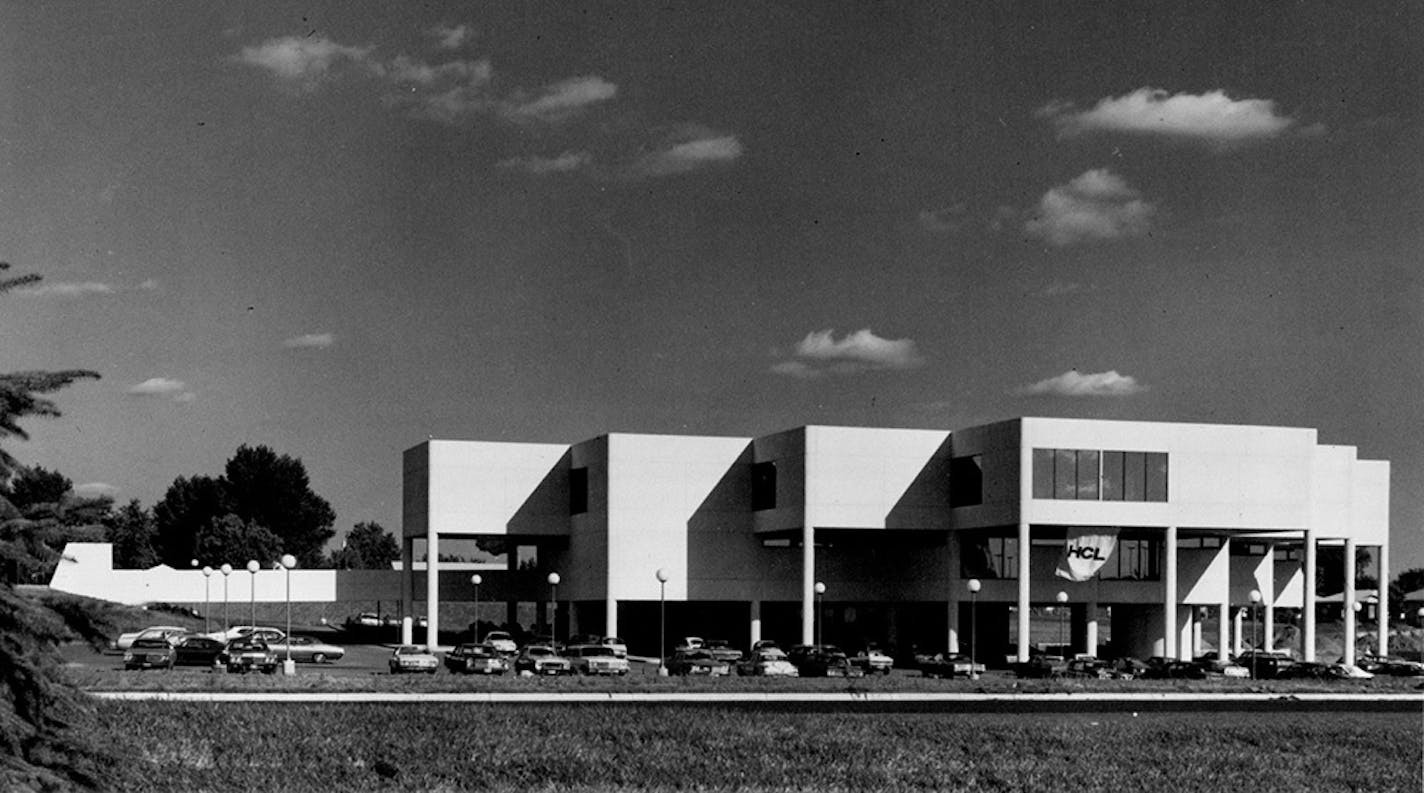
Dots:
(662, 576)
(289, 561)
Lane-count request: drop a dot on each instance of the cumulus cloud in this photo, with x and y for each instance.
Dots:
(177, 390)
(1097, 205)
(821, 353)
(96, 490)
(563, 163)
(310, 340)
(301, 61)
(1073, 383)
(66, 289)
(688, 149)
(1211, 117)
(452, 38)
(560, 100)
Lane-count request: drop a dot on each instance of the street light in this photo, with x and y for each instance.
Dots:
(1255, 639)
(662, 621)
(554, 607)
(226, 571)
(820, 599)
(477, 580)
(207, 601)
(974, 586)
(289, 667)
(1062, 599)
(253, 567)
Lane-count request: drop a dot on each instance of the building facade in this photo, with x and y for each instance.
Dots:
(853, 535)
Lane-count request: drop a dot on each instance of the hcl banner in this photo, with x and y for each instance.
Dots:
(1085, 552)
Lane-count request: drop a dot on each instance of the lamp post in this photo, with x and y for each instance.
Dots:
(1255, 639)
(476, 579)
(820, 599)
(226, 571)
(974, 586)
(554, 607)
(1062, 599)
(253, 567)
(289, 667)
(662, 576)
(207, 600)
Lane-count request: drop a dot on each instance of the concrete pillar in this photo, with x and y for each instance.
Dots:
(756, 623)
(1349, 602)
(1023, 600)
(1090, 643)
(952, 588)
(407, 587)
(1267, 582)
(808, 584)
(511, 562)
(432, 589)
(1223, 630)
(1307, 650)
(610, 616)
(1196, 633)
(1169, 592)
(1384, 604)
(1237, 624)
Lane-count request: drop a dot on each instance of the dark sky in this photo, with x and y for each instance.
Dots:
(337, 229)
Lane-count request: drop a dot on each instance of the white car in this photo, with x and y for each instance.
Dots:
(767, 662)
(617, 645)
(596, 659)
(170, 632)
(501, 642)
(872, 660)
(413, 658)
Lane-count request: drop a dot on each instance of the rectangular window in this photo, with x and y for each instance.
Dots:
(984, 556)
(1065, 474)
(1134, 479)
(578, 491)
(1156, 476)
(1087, 475)
(763, 486)
(1134, 560)
(1043, 473)
(1112, 476)
(966, 481)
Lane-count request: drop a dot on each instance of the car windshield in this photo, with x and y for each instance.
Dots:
(409, 649)
(496, 636)
(595, 650)
(539, 651)
(150, 643)
(771, 654)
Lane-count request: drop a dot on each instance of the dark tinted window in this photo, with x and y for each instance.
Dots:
(966, 481)
(764, 485)
(578, 491)
(1043, 473)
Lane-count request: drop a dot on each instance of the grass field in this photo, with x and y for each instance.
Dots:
(183, 747)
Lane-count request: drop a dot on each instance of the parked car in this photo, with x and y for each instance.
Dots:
(689, 643)
(265, 633)
(248, 654)
(1042, 666)
(1162, 668)
(476, 659)
(1088, 666)
(722, 650)
(150, 653)
(697, 661)
(1266, 665)
(542, 659)
(1212, 664)
(617, 645)
(412, 658)
(873, 660)
(767, 662)
(305, 650)
(194, 650)
(762, 644)
(596, 659)
(366, 619)
(948, 665)
(126, 640)
(502, 642)
(825, 660)
(1391, 665)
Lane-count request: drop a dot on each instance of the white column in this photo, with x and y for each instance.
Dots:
(432, 589)
(952, 603)
(1196, 634)
(1023, 570)
(1091, 637)
(1223, 633)
(407, 590)
(610, 616)
(1384, 605)
(808, 584)
(1238, 624)
(1267, 582)
(1349, 604)
(756, 623)
(1169, 592)
(1307, 651)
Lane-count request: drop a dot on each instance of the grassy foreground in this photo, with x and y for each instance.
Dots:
(184, 747)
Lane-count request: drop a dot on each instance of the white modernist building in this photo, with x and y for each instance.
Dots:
(861, 534)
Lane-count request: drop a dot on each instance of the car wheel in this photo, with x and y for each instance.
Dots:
(318, 658)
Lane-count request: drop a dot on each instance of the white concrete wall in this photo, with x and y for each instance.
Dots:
(856, 477)
(478, 487)
(1369, 502)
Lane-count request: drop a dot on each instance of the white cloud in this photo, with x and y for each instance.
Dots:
(66, 289)
(1072, 383)
(568, 161)
(452, 38)
(820, 353)
(163, 387)
(310, 340)
(946, 220)
(148, 285)
(1097, 205)
(560, 100)
(690, 148)
(1211, 117)
(300, 60)
(96, 490)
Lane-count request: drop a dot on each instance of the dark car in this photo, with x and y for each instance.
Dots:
(826, 660)
(1266, 665)
(472, 659)
(1088, 666)
(154, 653)
(722, 650)
(1042, 666)
(1392, 665)
(697, 661)
(196, 650)
(1161, 668)
(248, 655)
(948, 665)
